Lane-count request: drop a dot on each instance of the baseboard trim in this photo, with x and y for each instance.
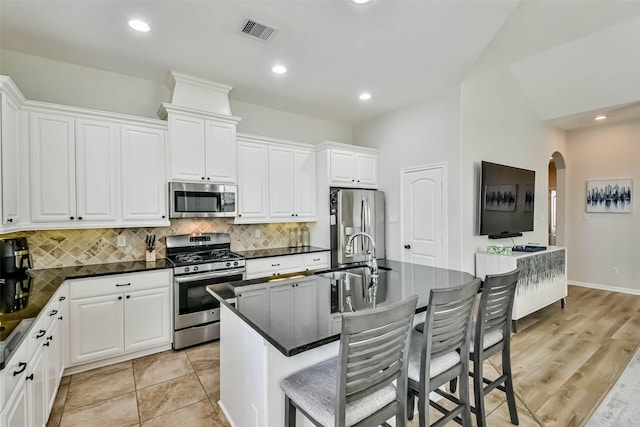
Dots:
(81, 367)
(605, 287)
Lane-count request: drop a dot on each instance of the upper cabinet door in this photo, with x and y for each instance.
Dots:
(9, 125)
(366, 169)
(187, 136)
(220, 149)
(253, 180)
(52, 167)
(341, 167)
(97, 173)
(281, 182)
(144, 185)
(304, 171)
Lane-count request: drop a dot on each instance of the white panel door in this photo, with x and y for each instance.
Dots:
(96, 328)
(15, 412)
(366, 170)
(281, 182)
(52, 147)
(220, 150)
(256, 302)
(341, 170)
(304, 172)
(423, 216)
(187, 136)
(253, 180)
(9, 154)
(306, 310)
(36, 389)
(147, 319)
(97, 174)
(144, 184)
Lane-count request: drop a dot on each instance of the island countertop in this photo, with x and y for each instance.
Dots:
(298, 312)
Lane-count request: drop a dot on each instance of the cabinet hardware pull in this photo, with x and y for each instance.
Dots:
(29, 377)
(53, 312)
(10, 220)
(275, 265)
(162, 216)
(80, 218)
(128, 296)
(50, 337)
(407, 246)
(40, 333)
(123, 284)
(120, 297)
(62, 298)
(46, 344)
(22, 366)
(316, 259)
(70, 217)
(59, 317)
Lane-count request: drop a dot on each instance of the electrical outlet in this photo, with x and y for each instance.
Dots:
(122, 241)
(614, 271)
(258, 233)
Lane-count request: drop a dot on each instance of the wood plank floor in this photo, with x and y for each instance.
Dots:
(565, 361)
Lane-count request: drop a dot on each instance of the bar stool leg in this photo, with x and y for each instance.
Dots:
(511, 399)
(289, 412)
(478, 390)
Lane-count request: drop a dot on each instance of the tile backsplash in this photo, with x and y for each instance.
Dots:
(62, 248)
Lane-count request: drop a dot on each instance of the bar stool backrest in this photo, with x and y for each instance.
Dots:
(374, 347)
(496, 304)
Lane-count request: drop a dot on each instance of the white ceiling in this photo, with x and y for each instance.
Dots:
(400, 51)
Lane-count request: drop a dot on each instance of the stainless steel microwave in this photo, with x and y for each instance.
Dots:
(200, 200)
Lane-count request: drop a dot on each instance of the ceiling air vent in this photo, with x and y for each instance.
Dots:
(258, 30)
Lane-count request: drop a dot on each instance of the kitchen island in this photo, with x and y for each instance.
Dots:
(271, 328)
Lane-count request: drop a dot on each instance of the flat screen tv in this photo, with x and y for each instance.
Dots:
(507, 200)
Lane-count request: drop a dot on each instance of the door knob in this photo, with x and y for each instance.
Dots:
(407, 246)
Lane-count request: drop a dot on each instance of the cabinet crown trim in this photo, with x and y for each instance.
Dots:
(245, 137)
(167, 108)
(8, 86)
(342, 146)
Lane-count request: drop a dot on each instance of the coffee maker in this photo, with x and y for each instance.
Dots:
(15, 259)
(15, 282)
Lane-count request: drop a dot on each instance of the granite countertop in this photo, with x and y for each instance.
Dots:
(45, 283)
(266, 253)
(317, 314)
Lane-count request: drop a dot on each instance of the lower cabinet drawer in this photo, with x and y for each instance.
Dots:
(263, 267)
(82, 288)
(13, 372)
(316, 260)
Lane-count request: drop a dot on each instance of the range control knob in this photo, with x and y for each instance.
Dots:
(186, 269)
(235, 263)
(228, 264)
(195, 268)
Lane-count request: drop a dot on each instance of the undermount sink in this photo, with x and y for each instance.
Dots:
(354, 289)
(339, 275)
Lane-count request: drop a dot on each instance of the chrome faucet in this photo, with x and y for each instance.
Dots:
(371, 255)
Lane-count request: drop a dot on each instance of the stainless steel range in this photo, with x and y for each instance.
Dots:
(198, 261)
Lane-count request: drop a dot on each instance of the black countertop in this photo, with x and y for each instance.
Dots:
(45, 283)
(314, 319)
(266, 253)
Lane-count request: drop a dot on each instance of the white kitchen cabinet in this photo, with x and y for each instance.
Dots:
(273, 266)
(144, 185)
(96, 170)
(16, 411)
(202, 145)
(52, 149)
(148, 320)
(352, 168)
(253, 184)
(316, 260)
(10, 100)
(97, 327)
(255, 300)
(292, 183)
(306, 309)
(292, 309)
(36, 389)
(119, 314)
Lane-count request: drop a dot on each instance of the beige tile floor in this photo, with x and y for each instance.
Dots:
(182, 388)
(165, 389)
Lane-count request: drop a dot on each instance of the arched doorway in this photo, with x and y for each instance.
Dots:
(557, 193)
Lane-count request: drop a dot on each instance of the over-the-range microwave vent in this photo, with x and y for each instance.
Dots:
(259, 30)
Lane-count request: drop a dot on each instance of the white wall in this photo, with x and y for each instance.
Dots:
(600, 241)
(279, 124)
(42, 79)
(499, 125)
(420, 134)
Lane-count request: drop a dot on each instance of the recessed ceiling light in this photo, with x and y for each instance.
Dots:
(365, 96)
(600, 117)
(279, 69)
(360, 1)
(138, 25)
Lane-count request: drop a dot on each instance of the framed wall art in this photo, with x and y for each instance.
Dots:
(609, 196)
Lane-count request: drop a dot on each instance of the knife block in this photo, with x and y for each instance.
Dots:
(151, 256)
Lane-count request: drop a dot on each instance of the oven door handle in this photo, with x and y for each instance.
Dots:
(203, 276)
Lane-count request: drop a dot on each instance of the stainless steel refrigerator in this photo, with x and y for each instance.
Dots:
(352, 211)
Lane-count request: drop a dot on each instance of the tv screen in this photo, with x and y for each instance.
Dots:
(507, 199)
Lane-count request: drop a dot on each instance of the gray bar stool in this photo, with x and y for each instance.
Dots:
(441, 353)
(357, 388)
